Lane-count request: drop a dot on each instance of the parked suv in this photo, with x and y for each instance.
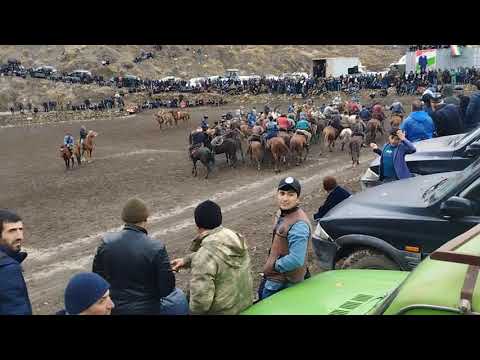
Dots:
(395, 225)
(442, 154)
(446, 283)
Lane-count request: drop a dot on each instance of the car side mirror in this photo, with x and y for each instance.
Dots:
(457, 207)
(473, 149)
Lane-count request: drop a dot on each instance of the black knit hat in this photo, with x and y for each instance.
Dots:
(134, 211)
(208, 215)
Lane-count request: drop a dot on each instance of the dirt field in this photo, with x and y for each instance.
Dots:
(65, 212)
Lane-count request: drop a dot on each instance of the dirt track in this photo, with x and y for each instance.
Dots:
(65, 212)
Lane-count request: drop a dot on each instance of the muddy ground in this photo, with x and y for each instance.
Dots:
(65, 212)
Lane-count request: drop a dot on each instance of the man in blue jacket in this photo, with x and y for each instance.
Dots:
(472, 114)
(14, 298)
(392, 162)
(418, 125)
(336, 194)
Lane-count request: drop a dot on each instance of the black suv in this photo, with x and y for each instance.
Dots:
(443, 154)
(396, 225)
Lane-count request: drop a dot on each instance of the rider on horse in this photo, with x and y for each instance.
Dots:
(271, 130)
(252, 118)
(204, 123)
(69, 142)
(397, 108)
(303, 127)
(83, 134)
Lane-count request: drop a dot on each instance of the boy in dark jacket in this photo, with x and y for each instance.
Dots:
(336, 194)
(392, 161)
(138, 268)
(13, 290)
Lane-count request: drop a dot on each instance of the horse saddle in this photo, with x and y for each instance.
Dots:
(217, 141)
(194, 148)
(255, 137)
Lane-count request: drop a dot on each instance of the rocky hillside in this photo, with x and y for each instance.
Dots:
(187, 61)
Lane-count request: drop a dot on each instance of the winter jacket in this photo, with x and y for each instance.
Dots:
(221, 279)
(472, 115)
(303, 125)
(418, 126)
(447, 120)
(14, 298)
(335, 197)
(137, 268)
(399, 164)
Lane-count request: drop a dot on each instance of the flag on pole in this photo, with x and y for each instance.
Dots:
(455, 50)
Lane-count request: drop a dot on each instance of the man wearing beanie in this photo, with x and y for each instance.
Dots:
(87, 294)
(138, 268)
(221, 280)
(287, 259)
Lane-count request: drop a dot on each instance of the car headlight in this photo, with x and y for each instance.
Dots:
(370, 175)
(320, 233)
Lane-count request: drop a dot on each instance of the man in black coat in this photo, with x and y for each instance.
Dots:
(336, 194)
(138, 268)
(446, 117)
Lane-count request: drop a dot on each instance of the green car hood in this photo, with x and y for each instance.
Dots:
(437, 283)
(336, 292)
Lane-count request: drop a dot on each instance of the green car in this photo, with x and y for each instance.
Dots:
(442, 284)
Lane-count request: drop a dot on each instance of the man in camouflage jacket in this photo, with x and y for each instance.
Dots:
(221, 281)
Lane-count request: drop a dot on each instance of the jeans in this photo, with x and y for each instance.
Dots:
(174, 304)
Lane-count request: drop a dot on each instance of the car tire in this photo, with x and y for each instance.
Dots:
(369, 259)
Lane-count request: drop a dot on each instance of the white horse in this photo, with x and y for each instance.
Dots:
(345, 137)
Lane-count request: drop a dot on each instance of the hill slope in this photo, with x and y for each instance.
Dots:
(185, 61)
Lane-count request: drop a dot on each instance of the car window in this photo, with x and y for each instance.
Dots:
(451, 183)
(466, 139)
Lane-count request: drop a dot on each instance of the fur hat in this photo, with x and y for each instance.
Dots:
(134, 211)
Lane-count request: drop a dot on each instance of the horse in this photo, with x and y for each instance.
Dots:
(164, 118)
(285, 136)
(255, 149)
(229, 148)
(67, 155)
(345, 136)
(206, 157)
(246, 131)
(396, 121)
(236, 135)
(298, 143)
(180, 115)
(355, 146)
(88, 144)
(279, 151)
(329, 136)
(78, 152)
(373, 126)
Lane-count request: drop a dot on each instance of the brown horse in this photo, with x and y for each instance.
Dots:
(164, 118)
(246, 131)
(373, 126)
(279, 151)
(78, 152)
(255, 149)
(180, 115)
(329, 136)
(67, 156)
(88, 144)
(285, 136)
(298, 143)
(396, 121)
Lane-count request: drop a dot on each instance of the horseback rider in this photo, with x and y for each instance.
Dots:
(69, 141)
(83, 134)
(204, 123)
(397, 108)
(303, 127)
(283, 123)
(271, 130)
(252, 118)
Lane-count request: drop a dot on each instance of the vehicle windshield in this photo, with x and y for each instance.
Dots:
(465, 139)
(445, 185)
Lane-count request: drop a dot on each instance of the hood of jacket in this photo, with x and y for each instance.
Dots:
(225, 244)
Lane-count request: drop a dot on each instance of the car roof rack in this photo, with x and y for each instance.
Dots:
(447, 253)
